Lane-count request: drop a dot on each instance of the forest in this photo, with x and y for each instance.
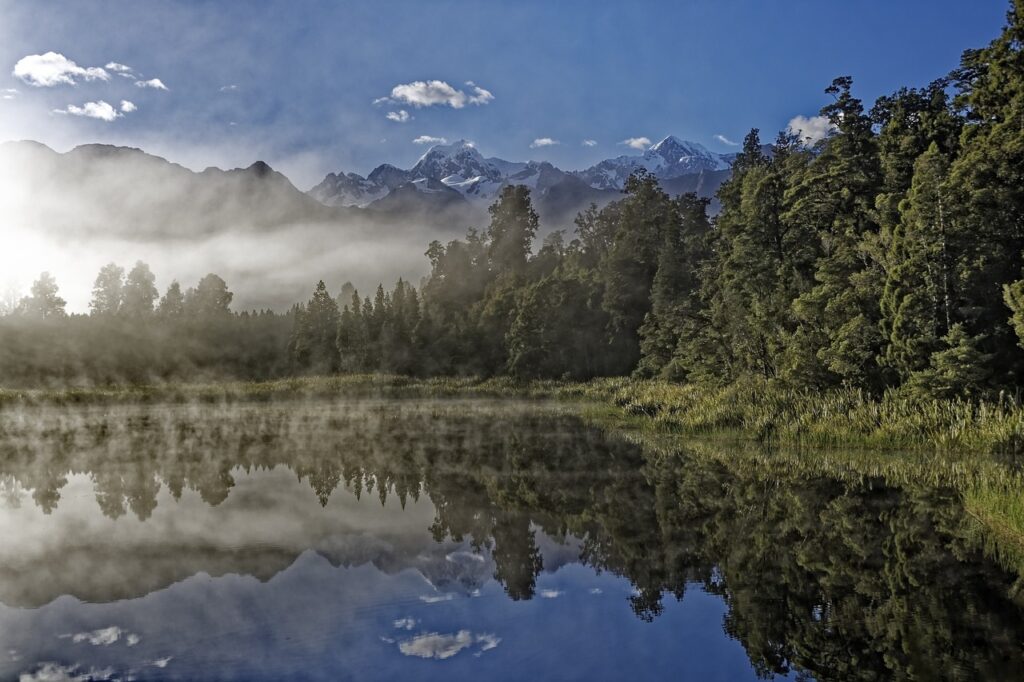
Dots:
(887, 256)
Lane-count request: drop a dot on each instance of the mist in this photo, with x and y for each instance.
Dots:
(72, 213)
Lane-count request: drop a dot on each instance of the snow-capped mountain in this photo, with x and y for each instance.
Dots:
(670, 158)
(461, 167)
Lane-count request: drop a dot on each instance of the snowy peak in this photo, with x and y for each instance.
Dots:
(459, 161)
(461, 167)
(682, 156)
(668, 159)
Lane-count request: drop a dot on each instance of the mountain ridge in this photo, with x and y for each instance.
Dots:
(460, 166)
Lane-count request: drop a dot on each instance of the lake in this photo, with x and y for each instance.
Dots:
(453, 539)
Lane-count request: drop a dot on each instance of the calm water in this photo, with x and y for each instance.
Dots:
(454, 540)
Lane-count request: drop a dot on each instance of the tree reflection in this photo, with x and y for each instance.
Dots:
(835, 579)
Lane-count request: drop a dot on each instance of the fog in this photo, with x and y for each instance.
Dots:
(71, 213)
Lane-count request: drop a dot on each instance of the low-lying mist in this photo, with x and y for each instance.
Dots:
(70, 214)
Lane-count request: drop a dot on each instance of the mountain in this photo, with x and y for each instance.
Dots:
(105, 189)
(671, 158)
(558, 195)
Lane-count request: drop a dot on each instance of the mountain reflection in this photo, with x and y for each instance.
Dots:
(832, 579)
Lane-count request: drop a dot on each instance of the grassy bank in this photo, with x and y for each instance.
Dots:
(764, 412)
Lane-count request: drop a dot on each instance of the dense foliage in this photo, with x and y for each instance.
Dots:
(887, 255)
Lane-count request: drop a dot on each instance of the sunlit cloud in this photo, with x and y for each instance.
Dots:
(52, 68)
(400, 116)
(8, 93)
(405, 623)
(550, 594)
(640, 143)
(128, 107)
(544, 142)
(99, 110)
(430, 139)
(154, 83)
(810, 129)
(589, 143)
(436, 93)
(726, 141)
(231, 87)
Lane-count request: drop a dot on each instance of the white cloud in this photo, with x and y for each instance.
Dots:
(52, 68)
(400, 116)
(544, 142)
(725, 140)
(128, 107)
(589, 143)
(231, 87)
(405, 623)
(640, 143)
(430, 139)
(550, 594)
(100, 110)
(810, 130)
(154, 83)
(596, 590)
(8, 93)
(120, 69)
(161, 662)
(480, 95)
(435, 92)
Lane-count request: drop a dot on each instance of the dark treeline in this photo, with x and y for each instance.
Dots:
(887, 254)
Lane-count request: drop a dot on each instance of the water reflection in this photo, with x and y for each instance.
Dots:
(370, 539)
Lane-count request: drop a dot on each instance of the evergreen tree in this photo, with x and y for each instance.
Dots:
(839, 317)
(43, 301)
(139, 292)
(314, 336)
(108, 291)
(987, 190)
(209, 299)
(643, 218)
(172, 305)
(352, 336)
(917, 305)
(675, 294)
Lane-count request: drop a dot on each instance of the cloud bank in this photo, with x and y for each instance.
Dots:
(430, 139)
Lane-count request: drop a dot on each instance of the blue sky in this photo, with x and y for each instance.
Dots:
(294, 83)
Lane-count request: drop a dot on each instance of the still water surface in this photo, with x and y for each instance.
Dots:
(448, 540)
